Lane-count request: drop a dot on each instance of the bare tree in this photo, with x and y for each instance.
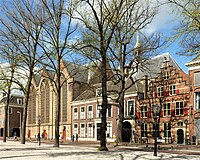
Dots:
(57, 33)
(188, 31)
(8, 69)
(22, 25)
(100, 21)
(109, 38)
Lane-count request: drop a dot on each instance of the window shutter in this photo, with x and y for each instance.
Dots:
(185, 111)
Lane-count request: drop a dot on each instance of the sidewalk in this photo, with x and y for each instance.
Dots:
(13, 150)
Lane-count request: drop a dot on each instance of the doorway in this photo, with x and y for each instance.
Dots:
(180, 136)
(126, 133)
(98, 131)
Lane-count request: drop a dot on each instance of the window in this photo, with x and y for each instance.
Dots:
(98, 113)
(166, 109)
(82, 113)
(155, 130)
(19, 101)
(90, 130)
(75, 129)
(167, 129)
(144, 111)
(99, 92)
(165, 75)
(160, 91)
(109, 130)
(90, 112)
(197, 79)
(131, 108)
(10, 110)
(82, 130)
(179, 108)
(144, 130)
(197, 100)
(75, 113)
(109, 110)
(180, 123)
(172, 89)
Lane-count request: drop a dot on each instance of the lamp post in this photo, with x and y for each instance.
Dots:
(20, 120)
(186, 123)
(156, 113)
(39, 121)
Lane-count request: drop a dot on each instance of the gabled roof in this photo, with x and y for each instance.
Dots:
(153, 66)
(13, 99)
(78, 72)
(112, 89)
(195, 61)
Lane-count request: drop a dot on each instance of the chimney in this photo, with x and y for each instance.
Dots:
(145, 84)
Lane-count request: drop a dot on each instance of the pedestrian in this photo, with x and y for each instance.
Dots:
(38, 138)
(76, 137)
(72, 138)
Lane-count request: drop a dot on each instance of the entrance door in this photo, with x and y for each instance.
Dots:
(180, 136)
(98, 131)
(126, 135)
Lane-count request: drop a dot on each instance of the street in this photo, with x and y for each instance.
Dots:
(13, 150)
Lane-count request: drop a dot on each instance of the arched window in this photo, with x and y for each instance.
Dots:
(32, 106)
(64, 100)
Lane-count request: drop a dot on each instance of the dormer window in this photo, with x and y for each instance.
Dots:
(19, 101)
(99, 92)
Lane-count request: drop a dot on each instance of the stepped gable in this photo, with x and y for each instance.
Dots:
(153, 66)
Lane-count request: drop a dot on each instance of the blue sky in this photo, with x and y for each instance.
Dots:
(166, 22)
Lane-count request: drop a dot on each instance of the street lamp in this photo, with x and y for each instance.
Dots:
(186, 123)
(20, 120)
(39, 121)
(156, 113)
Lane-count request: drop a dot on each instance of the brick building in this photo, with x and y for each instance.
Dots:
(162, 82)
(14, 116)
(169, 89)
(194, 81)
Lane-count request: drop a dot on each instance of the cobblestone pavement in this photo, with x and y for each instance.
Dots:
(13, 150)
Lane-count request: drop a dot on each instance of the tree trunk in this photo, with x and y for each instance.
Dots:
(120, 121)
(25, 110)
(57, 120)
(104, 99)
(6, 129)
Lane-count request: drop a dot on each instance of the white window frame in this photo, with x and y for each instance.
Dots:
(90, 113)
(99, 92)
(197, 100)
(110, 111)
(82, 113)
(75, 113)
(167, 130)
(145, 129)
(109, 130)
(160, 91)
(172, 89)
(90, 130)
(196, 78)
(75, 129)
(167, 109)
(179, 108)
(10, 110)
(143, 112)
(98, 114)
(166, 75)
(82, 130)
(127, 107)
(19, 101)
